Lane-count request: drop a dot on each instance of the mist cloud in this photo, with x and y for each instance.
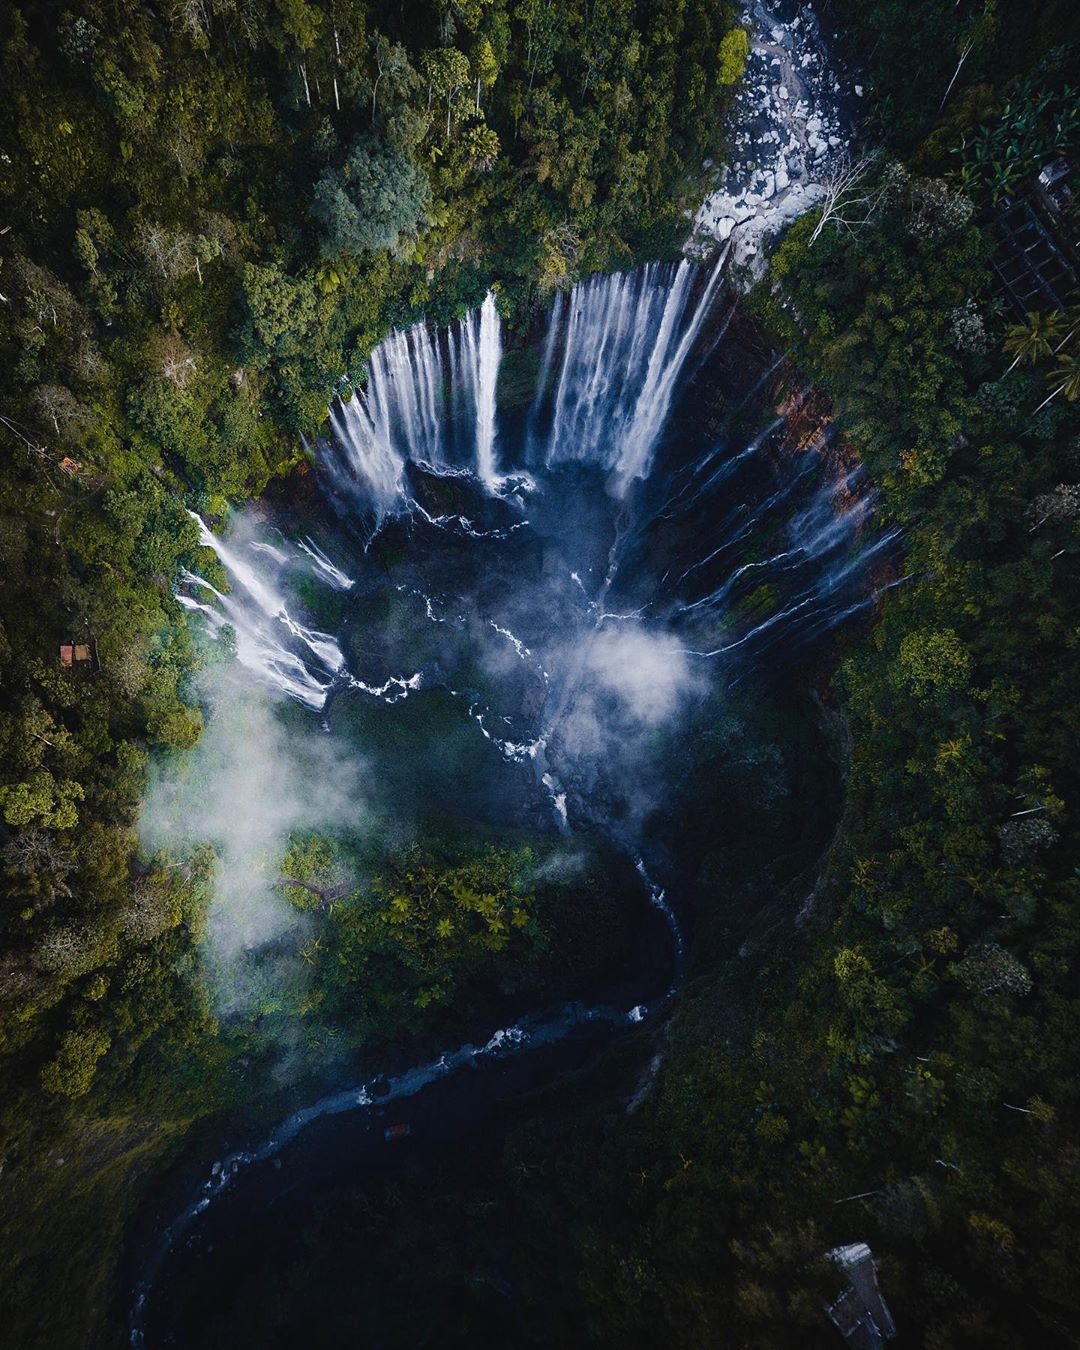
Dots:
(252, 781)
(647, 672)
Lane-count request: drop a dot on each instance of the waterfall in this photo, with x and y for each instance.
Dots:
(554, 323)
(628, 337)
(372, 460)
(399, 415)
(300, 662)
(326, 569)
(403, 414)
(615, 351)
(267, 599)
(487, 370)
(258, 617)
(263, 627)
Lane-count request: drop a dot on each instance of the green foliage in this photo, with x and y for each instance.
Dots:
(734, 51)
(1036, 123)
(926, 61)
(72, 1071)
(425, 932)
(424, 928)
(376, 201)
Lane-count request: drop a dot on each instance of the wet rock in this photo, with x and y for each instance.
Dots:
(789, 124)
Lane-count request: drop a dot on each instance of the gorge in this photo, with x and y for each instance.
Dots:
(538, 685)
(581, 572)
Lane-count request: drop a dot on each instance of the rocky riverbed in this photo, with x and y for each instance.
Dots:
(794, 123)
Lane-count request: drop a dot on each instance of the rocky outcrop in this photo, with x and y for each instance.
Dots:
(793, 126)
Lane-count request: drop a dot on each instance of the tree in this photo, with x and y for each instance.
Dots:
(734, 49)
(376, 201)
(486, 66)
(282, 310)
(1034, 339)
(988, 968)
(1062, 503)
(934, 661)
(392, 65)
(42, 799)
(1066, 376)
(70, 420)
(447, 73)
(72, 1071)
(847, 204)
(481, 147)
(168, 253)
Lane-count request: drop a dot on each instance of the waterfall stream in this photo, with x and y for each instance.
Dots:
(626, 339)
(405, 411)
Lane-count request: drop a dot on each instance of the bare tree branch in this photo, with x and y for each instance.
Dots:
(847, 204)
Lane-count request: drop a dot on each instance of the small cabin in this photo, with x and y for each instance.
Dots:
(79, 655)
(1054, 183)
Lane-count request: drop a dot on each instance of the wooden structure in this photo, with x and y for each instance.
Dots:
(79, 655)
(1037, 259)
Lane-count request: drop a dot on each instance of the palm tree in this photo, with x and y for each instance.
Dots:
(1066, 376)
(1071, 321)
(1029, 342)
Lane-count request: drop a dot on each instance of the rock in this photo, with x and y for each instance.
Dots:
(724, 228)
(781, 179)
(858, 91)
(814, 124)
(782, 92)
